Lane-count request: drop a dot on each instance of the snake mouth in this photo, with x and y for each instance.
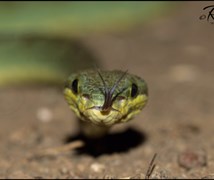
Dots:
(103, 111)
(102, 118)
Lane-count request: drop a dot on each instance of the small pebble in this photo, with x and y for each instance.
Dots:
(97, 167)
(183, 73)
(64, 170)
(44, 115)
(190, 159)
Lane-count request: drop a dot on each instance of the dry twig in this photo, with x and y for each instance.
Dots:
(51, 152)
(151, 167)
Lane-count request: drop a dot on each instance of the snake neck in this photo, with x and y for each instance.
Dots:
(90, 130)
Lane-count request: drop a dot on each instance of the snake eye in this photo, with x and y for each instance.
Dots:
(134, 90)
(74, 86)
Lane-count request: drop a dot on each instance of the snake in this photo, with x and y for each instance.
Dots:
(100, 99)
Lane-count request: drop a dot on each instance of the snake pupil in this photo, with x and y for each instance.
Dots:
(74, 86)
(134, 90)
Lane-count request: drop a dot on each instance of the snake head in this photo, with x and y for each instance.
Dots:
(107, 97)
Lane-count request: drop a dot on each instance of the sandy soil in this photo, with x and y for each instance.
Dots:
(174, 54)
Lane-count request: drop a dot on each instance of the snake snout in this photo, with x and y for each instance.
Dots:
(105, 112)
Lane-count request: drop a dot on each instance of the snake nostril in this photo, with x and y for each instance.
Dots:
(86, 96)
(119, 98)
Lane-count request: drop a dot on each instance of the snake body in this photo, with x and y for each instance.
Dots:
(101, 99)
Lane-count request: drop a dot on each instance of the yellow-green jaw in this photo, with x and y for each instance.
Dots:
(85, 94)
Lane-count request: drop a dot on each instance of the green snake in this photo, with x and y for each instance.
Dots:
(101, 99)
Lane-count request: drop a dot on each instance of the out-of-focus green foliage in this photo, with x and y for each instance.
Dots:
(36, 37)
(72, 18)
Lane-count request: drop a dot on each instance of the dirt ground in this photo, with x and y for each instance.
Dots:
(174, 54)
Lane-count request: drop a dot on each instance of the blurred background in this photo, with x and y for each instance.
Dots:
(169, 44)
(42, 41)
